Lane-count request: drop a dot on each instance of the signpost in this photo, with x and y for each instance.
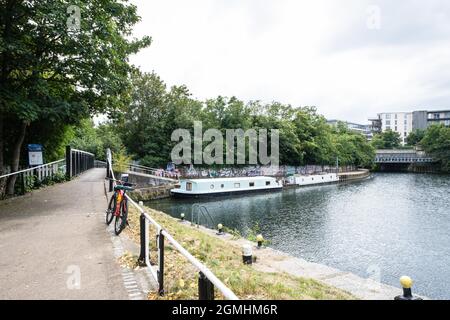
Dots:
(35, 157)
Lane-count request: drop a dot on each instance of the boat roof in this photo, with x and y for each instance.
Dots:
(235, 179)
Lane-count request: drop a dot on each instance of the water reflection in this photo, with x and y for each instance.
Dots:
(392, 224)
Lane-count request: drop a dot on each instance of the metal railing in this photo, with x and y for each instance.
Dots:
(28, 178)
(78, 161)
(207, 280)
(153, 171)
(202, 212)
(75, 162)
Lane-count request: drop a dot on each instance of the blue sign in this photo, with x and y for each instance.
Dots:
(35, 147)
(35, 157)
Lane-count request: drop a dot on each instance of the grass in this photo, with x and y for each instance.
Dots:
(225, 261)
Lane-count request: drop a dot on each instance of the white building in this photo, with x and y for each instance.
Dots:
(401, 122)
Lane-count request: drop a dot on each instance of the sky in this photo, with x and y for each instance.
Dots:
(350, 58)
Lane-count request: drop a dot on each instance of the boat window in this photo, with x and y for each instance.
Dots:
(222, 185)
(251, 184)
(237, 185)
(212, 186)
(189, 186)
(322, 178)
(267, 183)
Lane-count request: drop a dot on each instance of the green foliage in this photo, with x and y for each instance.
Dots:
(52, 75)
(305, 136)
(436, 142)
(121, 161)
(96, 140)
(386, 140)
(415, 137)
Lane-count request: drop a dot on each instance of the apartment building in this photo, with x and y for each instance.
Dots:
(400, 122)
(405, 122)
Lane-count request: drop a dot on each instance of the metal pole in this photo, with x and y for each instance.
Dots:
(205, 288)
(68, 162)
(143, 240)
(161, 263)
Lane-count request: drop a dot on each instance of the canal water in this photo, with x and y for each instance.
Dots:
(383, 227)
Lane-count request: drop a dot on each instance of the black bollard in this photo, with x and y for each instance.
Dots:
(406, 283)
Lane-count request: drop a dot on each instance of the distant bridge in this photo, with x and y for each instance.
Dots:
(402, 157)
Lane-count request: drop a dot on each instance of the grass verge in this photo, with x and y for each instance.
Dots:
(225, 261)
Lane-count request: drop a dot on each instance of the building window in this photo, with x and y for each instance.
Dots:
(189, 186)
(395, 128)
(251, 184)
(388, 127)
(388, 116)
(237, 185)
(388, 122)
(395, 116)
(405, 134)
(395, 122)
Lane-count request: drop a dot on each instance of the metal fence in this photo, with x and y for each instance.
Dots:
(75, 162)
(78, 161)
(207, 280)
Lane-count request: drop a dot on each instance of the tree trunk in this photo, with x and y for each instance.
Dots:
(16, 157)
(2, 162)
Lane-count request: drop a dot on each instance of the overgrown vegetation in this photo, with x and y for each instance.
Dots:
(436, 142)
(305, 136)
(57, 69)
(225, 260)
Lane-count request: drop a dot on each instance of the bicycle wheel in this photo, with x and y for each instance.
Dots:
(121, 219)
(110, 210)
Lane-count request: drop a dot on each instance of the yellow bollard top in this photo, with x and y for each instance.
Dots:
(259, 238)
(219, 226)
(406, 282)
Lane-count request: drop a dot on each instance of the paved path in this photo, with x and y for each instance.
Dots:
(48, 236)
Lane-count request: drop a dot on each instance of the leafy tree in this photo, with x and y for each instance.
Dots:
(96, 140)
(386, 140)
(415, 137)
(58, 69)
(436, 142)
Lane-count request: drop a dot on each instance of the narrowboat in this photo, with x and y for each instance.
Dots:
(225, 186)
(308, 180)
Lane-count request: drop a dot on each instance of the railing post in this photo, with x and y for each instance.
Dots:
(143, 240)
(68, 162)
(205, 288)
(161, 263)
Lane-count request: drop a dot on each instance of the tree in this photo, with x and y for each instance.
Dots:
(415, 137)
(436, 142)
(386, 140)
(58, 68)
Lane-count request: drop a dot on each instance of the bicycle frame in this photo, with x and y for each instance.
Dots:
(120, 196)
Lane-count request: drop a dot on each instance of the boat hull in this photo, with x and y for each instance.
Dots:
(222, 194)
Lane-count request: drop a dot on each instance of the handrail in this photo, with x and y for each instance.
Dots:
(219, 284)
(81, 151)
(31, 169)
(163, 233)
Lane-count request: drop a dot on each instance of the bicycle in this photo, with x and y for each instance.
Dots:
(118, 206)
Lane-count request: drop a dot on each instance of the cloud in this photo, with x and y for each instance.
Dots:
(303, 52)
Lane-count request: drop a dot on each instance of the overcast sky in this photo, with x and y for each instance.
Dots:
(350, 58)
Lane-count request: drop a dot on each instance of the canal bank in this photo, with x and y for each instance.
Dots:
(223, 258)
(386, 226)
